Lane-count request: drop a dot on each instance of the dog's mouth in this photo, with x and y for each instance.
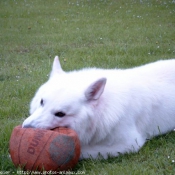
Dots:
(66, 126)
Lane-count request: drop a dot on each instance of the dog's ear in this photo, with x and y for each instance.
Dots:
(56, 67)
(94, 91)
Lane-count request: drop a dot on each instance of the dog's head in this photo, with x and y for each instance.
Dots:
(67, 100)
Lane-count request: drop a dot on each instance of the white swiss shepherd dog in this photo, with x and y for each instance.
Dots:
(113, 111)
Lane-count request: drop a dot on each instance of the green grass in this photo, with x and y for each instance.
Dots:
(84, 33)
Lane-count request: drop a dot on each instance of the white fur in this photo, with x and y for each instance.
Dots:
(113, 111)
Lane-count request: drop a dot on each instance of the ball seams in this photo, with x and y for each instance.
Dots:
(19, 148)
(42, 150)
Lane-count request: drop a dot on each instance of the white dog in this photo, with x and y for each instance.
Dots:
(113, 111)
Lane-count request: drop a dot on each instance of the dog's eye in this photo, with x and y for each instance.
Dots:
(60, 114)
(42, 102)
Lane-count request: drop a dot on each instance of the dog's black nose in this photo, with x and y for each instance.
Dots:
(28, 126)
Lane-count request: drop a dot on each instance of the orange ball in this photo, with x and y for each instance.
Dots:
(49, 150)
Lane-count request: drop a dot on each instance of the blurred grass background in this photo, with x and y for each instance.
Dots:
(84, 33)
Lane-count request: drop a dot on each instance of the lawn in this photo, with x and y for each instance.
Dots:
(84, 33)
